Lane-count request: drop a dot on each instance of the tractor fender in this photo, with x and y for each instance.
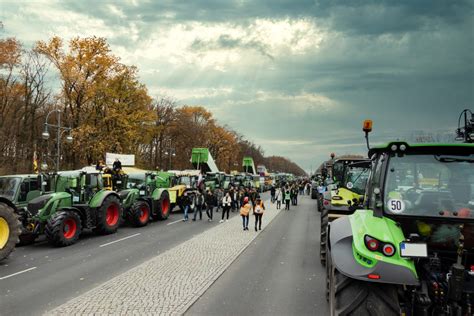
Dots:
(156, 195)
(100, 196)
(343, 257)
(8, 202)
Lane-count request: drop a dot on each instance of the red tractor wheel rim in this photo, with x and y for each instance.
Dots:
(70, 228)
(112, 214)
(144, 214)
(165, 206)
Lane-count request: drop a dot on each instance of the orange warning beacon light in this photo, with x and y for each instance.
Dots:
(367, 126)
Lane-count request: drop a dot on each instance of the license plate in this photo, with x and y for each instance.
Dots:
(413, 250)
(142, 192)
(75, 199)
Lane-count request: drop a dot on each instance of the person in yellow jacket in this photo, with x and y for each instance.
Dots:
(244, 212)
(258, 210)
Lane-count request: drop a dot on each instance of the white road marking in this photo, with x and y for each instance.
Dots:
(113, 242)
(179, 220)
(20, 272)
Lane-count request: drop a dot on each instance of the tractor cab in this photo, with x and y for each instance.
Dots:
(20, 189)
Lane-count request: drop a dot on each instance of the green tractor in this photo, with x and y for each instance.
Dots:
(344, 196)
(409, 248)
(79, 201)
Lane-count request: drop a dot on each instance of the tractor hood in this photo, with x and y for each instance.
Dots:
(38, 203)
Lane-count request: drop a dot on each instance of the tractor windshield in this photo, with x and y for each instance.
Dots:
(8, 187)
(430, 185)
(355, 179)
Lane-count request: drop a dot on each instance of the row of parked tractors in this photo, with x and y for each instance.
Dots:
(397, 229)
(63, 204)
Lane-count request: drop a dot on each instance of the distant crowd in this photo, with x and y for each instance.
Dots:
(246, 200)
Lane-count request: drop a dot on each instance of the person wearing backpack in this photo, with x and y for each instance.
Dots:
(258, 210)
(244, 212)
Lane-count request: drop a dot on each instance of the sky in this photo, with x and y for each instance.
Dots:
(297, 77)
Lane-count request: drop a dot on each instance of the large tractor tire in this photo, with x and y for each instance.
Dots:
(139, 214)
(323, 235)
(10, 230)
(109, 216)
(359, 298)
(163, 209)
(63, 228)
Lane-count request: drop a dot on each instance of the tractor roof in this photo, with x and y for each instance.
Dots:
(425, 148)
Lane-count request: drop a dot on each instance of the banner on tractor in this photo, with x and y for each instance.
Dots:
(126, 160)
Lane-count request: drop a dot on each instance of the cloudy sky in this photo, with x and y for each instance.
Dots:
(295, 76)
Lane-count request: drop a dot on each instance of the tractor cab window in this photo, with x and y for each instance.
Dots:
(8, 187)
(430, 185)
(355, 179)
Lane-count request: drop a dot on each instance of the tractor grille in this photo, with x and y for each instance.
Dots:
(38, 203)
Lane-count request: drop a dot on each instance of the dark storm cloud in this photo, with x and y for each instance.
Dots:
(406, 64)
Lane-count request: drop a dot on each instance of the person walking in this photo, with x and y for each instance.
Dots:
(272, 194)
(219, 195)
(287, 198)
(258, 210)
(186, 204)
(199, 203)
(244, 213)
(209, 205)
(278, 197)
(226, 204)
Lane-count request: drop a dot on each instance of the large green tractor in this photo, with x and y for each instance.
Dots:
(155, 198)
(344, 196)
(79, 201)
(409, 248)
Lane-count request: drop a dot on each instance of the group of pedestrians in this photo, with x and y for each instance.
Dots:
(288, 193)
(246, 200)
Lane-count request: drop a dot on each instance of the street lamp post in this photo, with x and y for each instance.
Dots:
(60, 130)
(171, 152)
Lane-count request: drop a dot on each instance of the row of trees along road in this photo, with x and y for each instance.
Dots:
(108, 109)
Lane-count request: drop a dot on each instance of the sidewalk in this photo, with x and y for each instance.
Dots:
(172, 281)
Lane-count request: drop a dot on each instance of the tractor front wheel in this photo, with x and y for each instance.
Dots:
(63, 228)
(139, 214)
(163, 208)
(323, 235)
(353, 297)
(108, 216)
(9, 230)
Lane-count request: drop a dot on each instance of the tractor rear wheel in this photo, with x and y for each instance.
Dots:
(323, 235)
(357, 298)
(63, 228)
(164, 207)
(108, 216)
(139, 214)
(9, 230)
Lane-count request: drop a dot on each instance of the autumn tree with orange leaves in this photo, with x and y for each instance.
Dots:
(108, 109)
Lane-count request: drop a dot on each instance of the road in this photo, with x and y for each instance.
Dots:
(39, 277)
(278, 274)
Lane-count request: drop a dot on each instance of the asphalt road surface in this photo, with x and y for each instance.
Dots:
(39, 277)
(278, 274)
